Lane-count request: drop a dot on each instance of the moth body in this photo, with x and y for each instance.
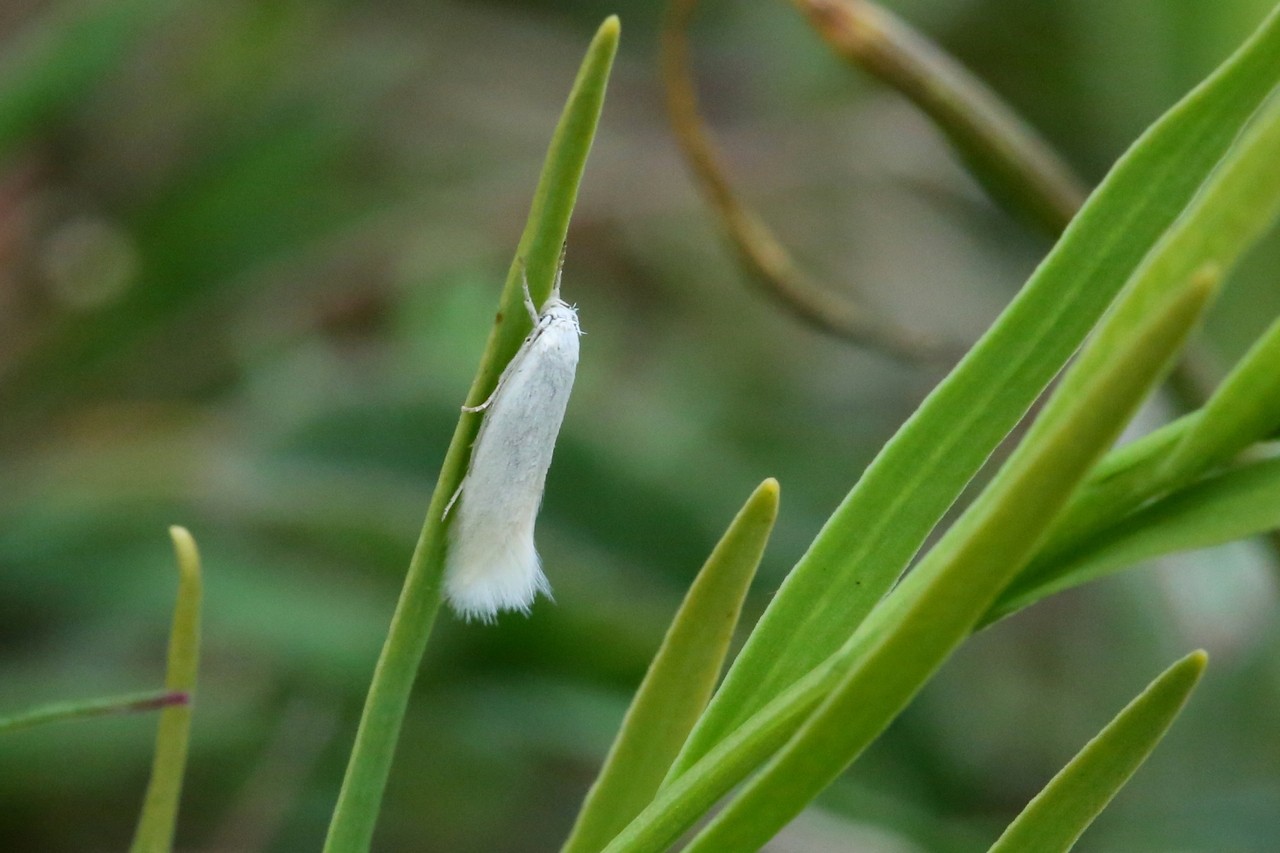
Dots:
(491, 564)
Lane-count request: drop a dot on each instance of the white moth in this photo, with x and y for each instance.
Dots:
(491, 564)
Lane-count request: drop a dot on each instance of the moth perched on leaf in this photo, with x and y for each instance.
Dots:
(491, 564)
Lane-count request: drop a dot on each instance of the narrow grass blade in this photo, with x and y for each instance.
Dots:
(1244, 409)
(356, 812)
(160, 808)
(865, 545)
(679, 681)
(685, 798)
(56, 712)
(944, 597)
(1239, 503)
(545, 231)
(881, 666)
(1057, 816)
(1124, 480)
(1146, 290)
(1238, 204)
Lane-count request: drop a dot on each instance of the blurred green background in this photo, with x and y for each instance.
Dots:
(249, 253)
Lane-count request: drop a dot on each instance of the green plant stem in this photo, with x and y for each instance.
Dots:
(356, 812)
(160, 808)
(56, 712)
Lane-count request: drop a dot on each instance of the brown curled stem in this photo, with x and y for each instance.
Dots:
(761, 253)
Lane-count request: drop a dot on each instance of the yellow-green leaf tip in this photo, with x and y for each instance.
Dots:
(185, 546)
(764, 501)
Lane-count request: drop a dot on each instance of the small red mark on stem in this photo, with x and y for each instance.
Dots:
(168, 700)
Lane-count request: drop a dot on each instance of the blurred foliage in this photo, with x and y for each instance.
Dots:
(248, 255)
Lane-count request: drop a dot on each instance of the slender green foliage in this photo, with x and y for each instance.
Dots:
(1237, 205)
(356, 812)
(1242, 502)
(160, 808)
(1058, 815)
(908, 632)
(56, 712)
(1245, 409)
(1242, 411)
(680, 678)
(1176, 212)
(944, 598)
(865, 545)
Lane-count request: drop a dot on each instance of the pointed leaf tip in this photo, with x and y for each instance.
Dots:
(680, 679)
(764, 501)
(1057, 816)
(184, 545)
(159, 815)
(1198, 659)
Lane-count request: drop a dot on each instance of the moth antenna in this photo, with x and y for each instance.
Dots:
(555, 288)
(528, 297)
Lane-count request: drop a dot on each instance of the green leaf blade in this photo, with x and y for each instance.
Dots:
(1239, 503)
(904, 641)
(547, 228)
(679, 681)
(159, 815)
(355, 813)
(1236, 205)
(954, 585)
(686, 797)
(1126, 478)
(1239, 202)
(1063, 810)
(1244, 409)
(904, 493)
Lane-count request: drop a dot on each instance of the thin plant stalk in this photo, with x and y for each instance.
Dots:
(762, 254)
(159, 815)
(356, 812)
(57, 712)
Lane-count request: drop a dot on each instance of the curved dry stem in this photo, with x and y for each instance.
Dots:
(761, 253)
